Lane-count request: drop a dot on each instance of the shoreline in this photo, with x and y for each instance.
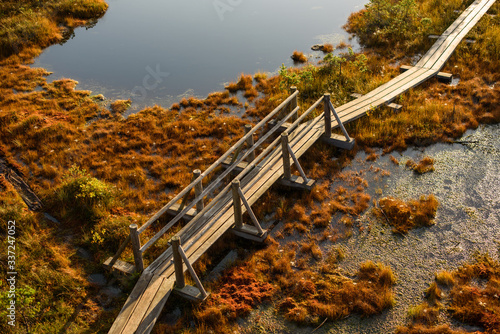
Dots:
(131, 74)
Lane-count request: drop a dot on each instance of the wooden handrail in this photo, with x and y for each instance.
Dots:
(304, 115)
(217, 163)
(213, 184)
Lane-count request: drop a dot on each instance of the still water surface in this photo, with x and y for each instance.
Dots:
(156, 51)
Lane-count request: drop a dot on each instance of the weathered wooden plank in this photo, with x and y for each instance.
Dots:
(131, 303)
(381, 92)
(444, 77)
(174, 210)
(143, 304)
(467, 25)
(239, 167)
(121, 266)
(296, 182)
(470, 18)
(155, 308)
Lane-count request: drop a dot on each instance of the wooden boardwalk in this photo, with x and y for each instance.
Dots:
(156, 283)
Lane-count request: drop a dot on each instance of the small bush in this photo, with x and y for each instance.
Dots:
(110, 232)
(299, 57)
(327, 48)
(80, 197)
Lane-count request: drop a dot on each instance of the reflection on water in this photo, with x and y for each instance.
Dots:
(199, 44)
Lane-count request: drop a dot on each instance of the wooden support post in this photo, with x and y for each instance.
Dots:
(204, 294)
(181, 259)
(250, 212)
(293, 104)
(287, 172)
(198, 189)
(339, 122)
(179, 270)
(250, 143)
(255, 233)
(344, 142)
(238, 215)
(136, 247)
(328, 115)
(297, 164)
(112, 261)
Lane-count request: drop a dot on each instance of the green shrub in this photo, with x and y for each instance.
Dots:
(110, 232)
(385, 23)
(81, 197)
(26, 305)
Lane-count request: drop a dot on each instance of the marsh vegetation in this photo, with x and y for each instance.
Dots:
(97, 172)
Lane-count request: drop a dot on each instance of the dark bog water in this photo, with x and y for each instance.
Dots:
(156, 51)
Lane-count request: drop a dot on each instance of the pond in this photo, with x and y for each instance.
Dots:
(157, 51)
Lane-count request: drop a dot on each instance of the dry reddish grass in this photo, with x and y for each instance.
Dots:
(405, 216)
(238, 292)
(299, 57)
(327, 48)
(467, 301)
(305, 296)
(424, 166)
(46, 131)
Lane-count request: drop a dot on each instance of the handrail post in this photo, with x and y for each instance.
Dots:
(293, 103)
(179, 270)
(198, 189)
(136, 247)
(250, 143)
(238, 215)
(287, 172)
(328, 115)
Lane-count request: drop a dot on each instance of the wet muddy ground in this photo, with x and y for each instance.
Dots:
(467, 185)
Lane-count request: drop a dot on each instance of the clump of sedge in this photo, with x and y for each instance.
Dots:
(425, 165)
(299, 57)
(405, 216)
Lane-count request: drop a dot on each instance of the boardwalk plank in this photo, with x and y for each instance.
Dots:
(143, 304)
(131, 303)
(156, 306)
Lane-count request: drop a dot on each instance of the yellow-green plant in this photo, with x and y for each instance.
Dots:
(81, 197)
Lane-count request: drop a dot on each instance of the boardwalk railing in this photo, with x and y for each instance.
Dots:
(289, 105)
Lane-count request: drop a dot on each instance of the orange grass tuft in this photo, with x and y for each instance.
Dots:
(299, 57)
(405, 216)
(327, 48)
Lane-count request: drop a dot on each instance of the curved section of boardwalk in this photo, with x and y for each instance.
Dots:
(153, 288)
